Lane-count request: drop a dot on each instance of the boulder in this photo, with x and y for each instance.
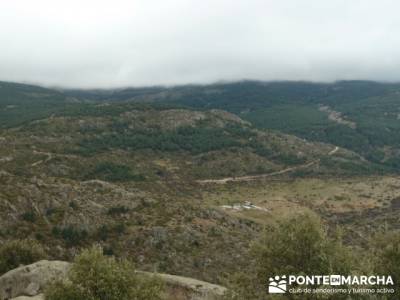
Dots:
(28, 283)
(38, 297)
(189, 288)
(32, 279)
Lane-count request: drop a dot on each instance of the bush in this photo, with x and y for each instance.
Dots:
(73, 236)
(386, 251)
(113, 172)
(29, 216)
(64, 291)
(295, 246)
(117, 210)
(20, 252)
(97, 277)
(301, 245)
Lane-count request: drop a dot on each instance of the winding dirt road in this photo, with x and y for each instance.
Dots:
(49, 157)
(255, 177)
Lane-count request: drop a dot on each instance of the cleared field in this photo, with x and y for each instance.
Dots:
(330, 198)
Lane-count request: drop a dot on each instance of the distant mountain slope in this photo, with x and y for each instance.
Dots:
(130, 142)
(362, 116)
(20, 103)
(237, 96)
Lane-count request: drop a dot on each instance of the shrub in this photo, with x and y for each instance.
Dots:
(301, 245)
(117, 210)
(296, 246)
(20, 252)
(113, 172)
(72, 235)
(105, 231)
(97, 277)
(29, 216)
(64, 291)
(386, 253)
(73, 205)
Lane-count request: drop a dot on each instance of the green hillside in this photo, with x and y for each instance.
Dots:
(20, 103)
(361, 116)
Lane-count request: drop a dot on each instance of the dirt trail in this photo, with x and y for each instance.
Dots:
(334, 151)
(255, 177)
(337, 117)
(49, 157)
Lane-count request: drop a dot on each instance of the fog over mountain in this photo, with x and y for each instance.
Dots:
(132, 43)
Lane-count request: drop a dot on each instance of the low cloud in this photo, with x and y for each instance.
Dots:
(148, 42)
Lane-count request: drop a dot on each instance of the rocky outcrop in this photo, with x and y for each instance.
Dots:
(193, 289)
(32, 279)
(38, 297)
(28, 283)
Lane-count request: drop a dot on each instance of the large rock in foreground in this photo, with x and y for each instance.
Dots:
(38, 297)
(186, 288)
(31, 280)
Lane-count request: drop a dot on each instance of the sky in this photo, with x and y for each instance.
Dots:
(118, 43)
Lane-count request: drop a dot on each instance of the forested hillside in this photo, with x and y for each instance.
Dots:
(361, 116)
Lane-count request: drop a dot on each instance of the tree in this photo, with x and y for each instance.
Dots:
(296, 246)
(20, 252)
(386, 251)
(94, 276)
(300, 245)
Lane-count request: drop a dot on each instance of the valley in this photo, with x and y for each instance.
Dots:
(186, 180)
